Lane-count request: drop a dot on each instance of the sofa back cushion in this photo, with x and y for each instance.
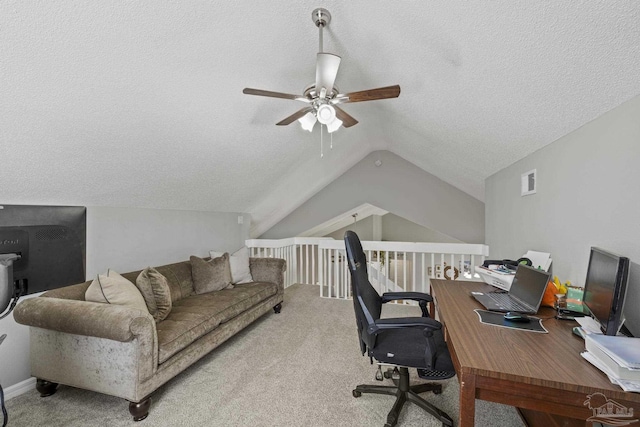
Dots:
(178, 277)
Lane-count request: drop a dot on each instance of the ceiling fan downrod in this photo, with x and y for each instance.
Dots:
(321, 17)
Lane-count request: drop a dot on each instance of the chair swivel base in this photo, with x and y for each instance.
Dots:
(404, 392)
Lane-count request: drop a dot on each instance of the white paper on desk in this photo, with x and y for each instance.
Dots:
(539, 259)
(627, 385)
(598, 364)
(589, 325)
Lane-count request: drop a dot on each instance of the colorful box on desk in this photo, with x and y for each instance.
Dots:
(496, 278)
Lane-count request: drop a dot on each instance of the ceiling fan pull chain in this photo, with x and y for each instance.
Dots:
(321, 150)
(331, 146)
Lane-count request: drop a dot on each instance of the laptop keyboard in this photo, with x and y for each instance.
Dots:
(506, 301)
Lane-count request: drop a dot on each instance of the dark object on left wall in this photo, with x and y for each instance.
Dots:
(41, 248)
(50, 241)
(5, 415)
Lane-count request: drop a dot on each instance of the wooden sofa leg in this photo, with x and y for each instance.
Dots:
(277, 308)
(140, 410)
(46, 388)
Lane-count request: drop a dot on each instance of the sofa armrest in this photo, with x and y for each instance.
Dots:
(268, 270)
(102, 347)
(118, 323)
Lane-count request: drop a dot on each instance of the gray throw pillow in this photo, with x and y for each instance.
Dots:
(155, 290)
(213, 275)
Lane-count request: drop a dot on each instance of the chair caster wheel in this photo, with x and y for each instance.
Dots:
(388, 374)
(356, 393)
(437, 391)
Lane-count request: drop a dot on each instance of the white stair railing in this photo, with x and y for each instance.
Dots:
(300, 253)
(399, 266)
(392, 266)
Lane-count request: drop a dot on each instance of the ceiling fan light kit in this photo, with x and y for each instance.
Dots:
(323, 96)
(326, 114)
(308, 121)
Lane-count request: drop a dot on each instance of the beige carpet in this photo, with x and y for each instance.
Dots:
(296, 368)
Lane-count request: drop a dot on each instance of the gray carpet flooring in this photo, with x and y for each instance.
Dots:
(297, 368)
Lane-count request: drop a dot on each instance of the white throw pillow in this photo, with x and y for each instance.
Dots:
(239, 261)
(112, 288)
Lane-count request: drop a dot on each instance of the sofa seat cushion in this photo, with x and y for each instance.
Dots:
(196, 315)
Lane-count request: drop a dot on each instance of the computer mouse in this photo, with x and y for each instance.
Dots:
(516, 317)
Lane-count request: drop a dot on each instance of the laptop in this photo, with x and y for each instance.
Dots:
(524, 296)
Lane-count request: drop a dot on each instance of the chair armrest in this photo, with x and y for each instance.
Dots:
(404, 322)
(114, 322)
(415, 296)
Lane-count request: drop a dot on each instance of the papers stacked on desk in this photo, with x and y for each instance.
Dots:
(540, 260)
(618, 357)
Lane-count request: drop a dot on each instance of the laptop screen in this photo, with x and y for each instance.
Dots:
(529, 285)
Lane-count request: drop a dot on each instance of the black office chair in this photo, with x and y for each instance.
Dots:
(415, 342)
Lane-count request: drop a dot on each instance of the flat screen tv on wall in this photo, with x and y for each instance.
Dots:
(51, 243)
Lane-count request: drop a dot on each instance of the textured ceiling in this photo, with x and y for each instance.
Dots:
(140, 103)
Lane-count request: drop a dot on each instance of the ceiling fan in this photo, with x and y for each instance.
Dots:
(322, 97)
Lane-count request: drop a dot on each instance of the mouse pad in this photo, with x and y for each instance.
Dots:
(497, 319)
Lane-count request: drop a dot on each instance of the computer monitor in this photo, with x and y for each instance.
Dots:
(51, 242)
(605, 288)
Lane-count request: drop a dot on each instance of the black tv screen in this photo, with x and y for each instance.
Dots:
(51, 242)
(605, 288)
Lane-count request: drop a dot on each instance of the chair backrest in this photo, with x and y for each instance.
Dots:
(366, 301)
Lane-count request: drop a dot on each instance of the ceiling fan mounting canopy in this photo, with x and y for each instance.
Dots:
(323, 96)
(320, 17)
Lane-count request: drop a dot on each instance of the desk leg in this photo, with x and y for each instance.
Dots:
(467, 400)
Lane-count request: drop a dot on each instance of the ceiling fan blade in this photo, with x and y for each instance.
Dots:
(347, 120)
(327, 65)
(369, 95)
(295, 116)
(260, 92)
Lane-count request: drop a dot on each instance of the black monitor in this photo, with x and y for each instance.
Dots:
(605, 288)
(51, 242)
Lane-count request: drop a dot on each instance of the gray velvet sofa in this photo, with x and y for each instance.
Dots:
(121, 351)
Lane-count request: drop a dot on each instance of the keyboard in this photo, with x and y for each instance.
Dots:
(507, 302)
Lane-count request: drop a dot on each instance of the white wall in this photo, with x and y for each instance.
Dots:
(128, 239)
(363, 228)
(397, 186)
(398, 229)
(394, 228)
(587, 195)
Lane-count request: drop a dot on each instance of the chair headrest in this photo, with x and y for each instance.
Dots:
(355, 254)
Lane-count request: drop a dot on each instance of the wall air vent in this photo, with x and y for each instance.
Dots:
(528, 183)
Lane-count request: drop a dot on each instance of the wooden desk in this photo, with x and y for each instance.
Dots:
(543, 374)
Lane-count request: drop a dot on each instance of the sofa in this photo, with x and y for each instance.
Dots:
(121, 351)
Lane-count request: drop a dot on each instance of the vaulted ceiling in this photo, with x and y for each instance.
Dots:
(140, 103)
